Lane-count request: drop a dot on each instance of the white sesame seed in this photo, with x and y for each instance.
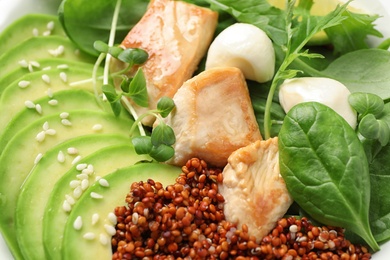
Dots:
(46, 33)
(72, 151)
(76, 160)
(97, 127)
(89, 236)
(90, 168)
(50, 25)
(38, 108)
(95, 195)
(87, 171)
(23, 84)
(82, 176)
(47, 68)
(35, 32)
(81, 166)
(70, 199)
(46, 78)
(29, 104)
(38, 158)
(64, 77)
(77, 192)
(134, 218)
(61, 157)
(49, 93)
(51, 132)
(63, 66)
(104, 183)
(84, 184)
(112, 218)
(53, 102)
(30, 68)
(78, 223)
(66, 206)
(66, 122)
(64, 115)
(110, 229)
(103, 239)
(58, 51)
(293, 228)
(34, 64)
(97, 178)
(45, 126)
(74, 184)
(95, 218)
(23, 63)
(40, 136)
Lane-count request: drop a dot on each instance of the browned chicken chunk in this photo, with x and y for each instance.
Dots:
(176, 36)
(213, 117)
(254, 191)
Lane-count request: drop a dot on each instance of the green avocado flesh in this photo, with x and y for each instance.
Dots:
(38, 48)
(13, 98)
(19, 156)
(44, 64)
(28, 26)
(96, 150)
(67, 100)
(55, 216)
(76, 244)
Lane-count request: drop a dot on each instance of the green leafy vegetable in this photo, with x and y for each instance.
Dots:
(325, 168)
(373, 116)
(87, 21)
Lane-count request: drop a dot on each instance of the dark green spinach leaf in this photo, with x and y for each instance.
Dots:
(88, 21)
(325, 168)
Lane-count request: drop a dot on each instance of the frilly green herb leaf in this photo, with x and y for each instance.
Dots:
(113, 98)
(101, 46)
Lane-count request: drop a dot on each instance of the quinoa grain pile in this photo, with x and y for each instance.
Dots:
(186, 221)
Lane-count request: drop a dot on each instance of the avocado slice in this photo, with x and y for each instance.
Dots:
(74, 245)
(28, 26)
(69, 99)
(38, 48)
(22, 151)
(14, 97)
(55, 216)
(44, 64)
(118, 152)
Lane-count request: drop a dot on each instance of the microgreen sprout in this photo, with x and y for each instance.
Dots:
(159, 144)
(373, 116)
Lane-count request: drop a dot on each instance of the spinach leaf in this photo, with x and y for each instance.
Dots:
(88, 21)
(325, 168)
(380, 186)
(363, 71)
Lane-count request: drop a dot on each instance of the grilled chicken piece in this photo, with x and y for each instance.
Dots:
(254, 191)
(176, 36)
(213, 117)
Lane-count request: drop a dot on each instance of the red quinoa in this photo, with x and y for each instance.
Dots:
(186, 221)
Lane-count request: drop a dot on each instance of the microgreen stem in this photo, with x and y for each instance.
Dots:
(95, 77)
(111, 41)
(137, 122)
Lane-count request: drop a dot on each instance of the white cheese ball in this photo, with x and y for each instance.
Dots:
(246, 47)
(327, 91)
